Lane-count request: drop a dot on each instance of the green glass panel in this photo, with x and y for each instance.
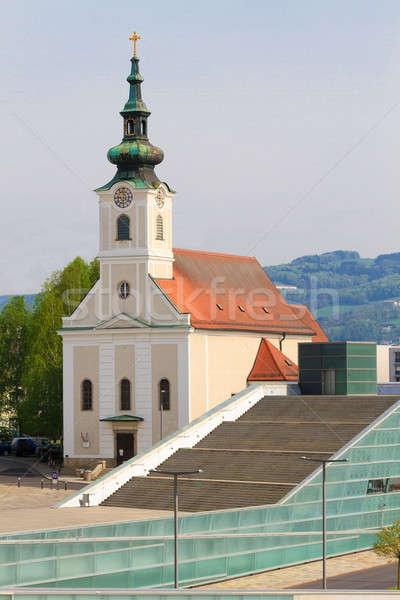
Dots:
(361, 388)
(311, 363)
(333, 349)
(333, 362)
(361, 349)
(340, 388)
(392, 421)
(310, 375)
(356, 375)
(306, 350)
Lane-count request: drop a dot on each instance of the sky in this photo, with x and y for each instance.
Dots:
(279, 121)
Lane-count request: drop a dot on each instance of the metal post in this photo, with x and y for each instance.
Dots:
(175, 475)
(324, 463)
(161, 417)
(324, 525)
(176, 530)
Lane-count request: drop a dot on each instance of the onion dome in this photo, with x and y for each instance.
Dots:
(135, 157)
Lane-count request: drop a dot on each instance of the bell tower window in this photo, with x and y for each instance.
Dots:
(144, 128)
(159, 228)
(123, 228)
(130, 127)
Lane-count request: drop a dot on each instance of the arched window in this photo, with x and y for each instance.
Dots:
(164, 394)
(159, 228)
(87, 395)
(130, 127)
(124, 290)
(123, 228)
(144, 128)
(125, 394)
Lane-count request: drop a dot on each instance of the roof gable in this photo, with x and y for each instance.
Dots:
(306, 316)
(272, 365)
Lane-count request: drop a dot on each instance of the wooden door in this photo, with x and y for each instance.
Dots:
(125, 447)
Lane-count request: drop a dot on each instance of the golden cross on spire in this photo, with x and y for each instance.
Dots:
(133, 39)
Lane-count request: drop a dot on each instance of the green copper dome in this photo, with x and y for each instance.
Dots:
(135, 157)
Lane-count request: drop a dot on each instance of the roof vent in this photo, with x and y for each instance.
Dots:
(265, 309)
(241, 308)
(219, 307)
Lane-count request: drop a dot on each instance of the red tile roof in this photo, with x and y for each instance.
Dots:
(225, 291)
(272, 365)
(308, 318)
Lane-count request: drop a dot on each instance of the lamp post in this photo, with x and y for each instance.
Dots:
(161, 418)
(324, 462)
(175, 475)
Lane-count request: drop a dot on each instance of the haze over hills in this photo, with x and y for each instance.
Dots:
(354, 298)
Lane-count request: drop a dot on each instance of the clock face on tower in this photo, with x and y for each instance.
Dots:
(123, 197)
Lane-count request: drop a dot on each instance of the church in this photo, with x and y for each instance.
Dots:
(166, 333)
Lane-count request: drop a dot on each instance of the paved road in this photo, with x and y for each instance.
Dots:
(375, 578)
(29, 470)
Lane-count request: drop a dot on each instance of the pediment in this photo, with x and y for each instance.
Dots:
(123, 321)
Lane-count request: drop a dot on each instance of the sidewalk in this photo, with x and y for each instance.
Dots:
(300, 575)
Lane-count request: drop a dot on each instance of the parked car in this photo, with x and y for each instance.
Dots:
(23, 446)
(5, 447)
(42, 445)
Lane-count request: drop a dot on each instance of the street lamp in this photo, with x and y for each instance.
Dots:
(324, 462)
(175, 475)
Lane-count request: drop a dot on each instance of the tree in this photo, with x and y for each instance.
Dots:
(388, 545)
(13, 346)
(41, 411)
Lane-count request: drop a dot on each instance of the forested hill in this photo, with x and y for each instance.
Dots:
(29, 299)
(354, 298)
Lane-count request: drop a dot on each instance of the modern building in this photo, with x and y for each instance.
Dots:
(256, 506)
(340, 368)
(388, 363)
(165, 334)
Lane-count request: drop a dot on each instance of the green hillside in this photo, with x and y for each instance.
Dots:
(29, 299)
(353, 298)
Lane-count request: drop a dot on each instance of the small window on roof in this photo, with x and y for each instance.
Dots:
(219, 307)
(288, 362)
(241, 308)
(265, 309)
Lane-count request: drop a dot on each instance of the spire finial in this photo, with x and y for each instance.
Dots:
(134, 37)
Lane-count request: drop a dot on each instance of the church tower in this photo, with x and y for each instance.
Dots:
(155, 343)
(135, 211)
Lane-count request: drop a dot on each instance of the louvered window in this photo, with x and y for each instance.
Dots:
(125, 394)
(123, 228)
(87, 395)
(130, 127)
(164, 394)
(124, 290)
(159, 228)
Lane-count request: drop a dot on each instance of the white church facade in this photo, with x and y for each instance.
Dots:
(165, 334)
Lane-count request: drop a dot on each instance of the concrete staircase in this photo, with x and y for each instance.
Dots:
(255, 460)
